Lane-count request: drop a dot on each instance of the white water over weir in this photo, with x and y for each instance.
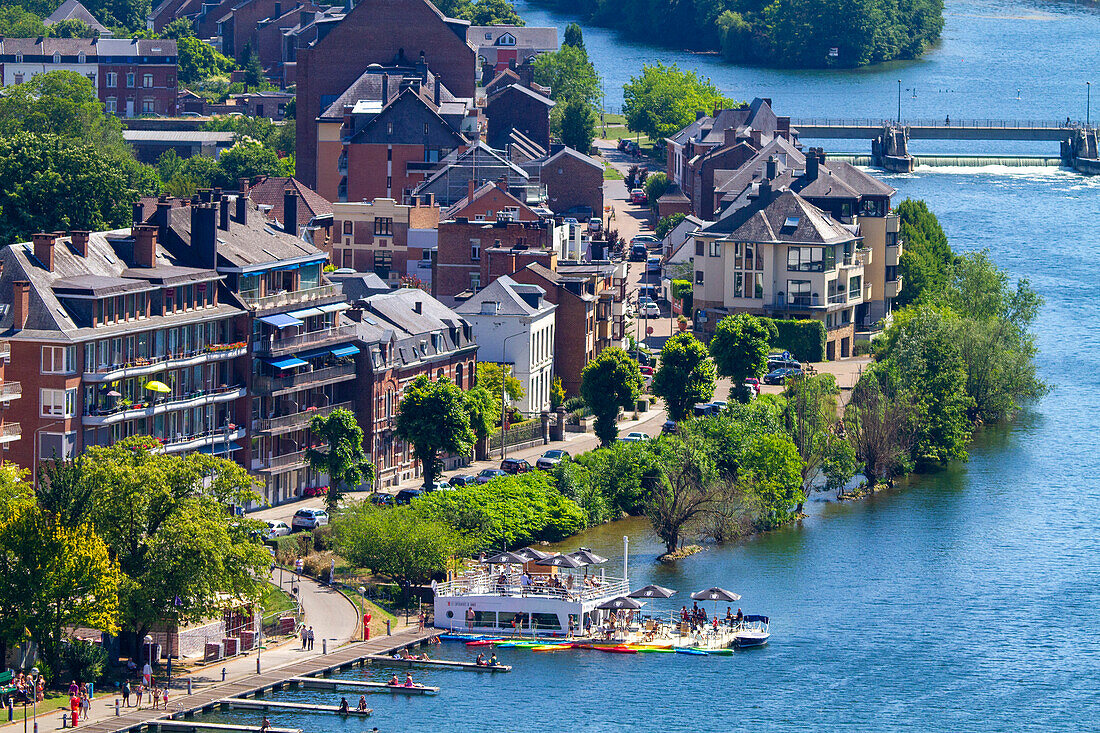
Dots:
(960, 160)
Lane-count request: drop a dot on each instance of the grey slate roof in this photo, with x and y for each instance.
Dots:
(526, 36)
(359, 285)
(506, 292)
(369, 87)
(781, 216)
(75, 10)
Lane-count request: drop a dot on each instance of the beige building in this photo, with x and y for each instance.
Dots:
(781, 256)
(390, 239)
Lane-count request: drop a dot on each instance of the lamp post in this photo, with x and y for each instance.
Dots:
(34, 676)
(1088, 102)
(899, 102)
(363, 595)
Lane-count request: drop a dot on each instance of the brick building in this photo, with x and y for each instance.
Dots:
(375, 237)
(472, 254)
(375, 32)
(517, 109)
(478, 164)
(573, 182)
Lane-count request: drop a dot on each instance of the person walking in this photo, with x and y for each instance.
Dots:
(138, 689)
(310, 638)
(126, 692)
(305, 637)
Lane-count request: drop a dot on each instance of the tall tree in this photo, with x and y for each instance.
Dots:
(685, 375)
(925, 263)
(663, 99)
(810, 415)
(62, 491)
(15, 22)
(573, 36)
(878, 421)
(740, 347)
(71, 28)
(198, 60)
(686, 490)
(250, 64)
(578, 125)
(433, 418)
(569, 74)
(343, 458)
(489, 376)
(610, 382)
(770, 471)
(491, 12)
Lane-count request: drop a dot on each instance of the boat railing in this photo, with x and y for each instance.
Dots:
(484, 584)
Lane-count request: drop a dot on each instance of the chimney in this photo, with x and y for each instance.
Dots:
(139, 212)
(223, 213)
(21, 303)
(437, 95)
(502, 184)
(700, 114)
(242, 209)
(811, 165)
(242, 186)
(204, 240)
(43, 249)
(354, 314)
(145, 245)
(290, 211)
(470, 186)
(757, 138)
(422, 67)
(385, 88)
(418, 307)
(205, 195)
(729, 136)
(79, 238)
(277, 11)
(771, 169)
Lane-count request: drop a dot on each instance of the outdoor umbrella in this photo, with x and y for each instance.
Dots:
(560, 561)
(530, 553)
(587, 557)
(504, 558)
(622, 603)
(651, 591)
(114, 393)
(715, 594)
(155, 386)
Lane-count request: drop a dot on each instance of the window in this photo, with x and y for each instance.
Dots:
(18, 78)
(806, 259)
(798, 292)
(57, 58)
(855, 286)
(347, 226)
(56, 445)
(475, 249)
(18, 58)
(715, 249)
(383, 264)
(425, 128)
(58, 402)
(81, 58)
(112, 79)
(698, 277)
(129, 81)
(148, 106)
(475, 281)
(147, 81)
(699, 247)
(389, 128)
(58, 359)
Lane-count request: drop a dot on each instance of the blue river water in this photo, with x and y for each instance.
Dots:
(963, 600)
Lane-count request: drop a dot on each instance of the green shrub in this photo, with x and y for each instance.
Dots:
(803, 338)
(322, 538)
(84, 661)
(861, 348)
(574, 403)
(621, 473)
(682, 290)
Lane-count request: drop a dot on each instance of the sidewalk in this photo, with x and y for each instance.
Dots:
(333, 617)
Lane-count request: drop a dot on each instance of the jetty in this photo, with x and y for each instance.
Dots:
(324, 683)
(382, 660)
(186, 726)
(245, 703)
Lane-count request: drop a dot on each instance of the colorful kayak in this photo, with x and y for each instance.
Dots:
(649, 649)
(726, 652)
(483, 642)
(616, 649)
(551, 647)
(686, 650)
(464, 637)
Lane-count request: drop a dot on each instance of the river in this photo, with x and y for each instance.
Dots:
(964, 600)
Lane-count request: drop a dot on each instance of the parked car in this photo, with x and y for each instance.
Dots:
(405, 496)
(438, 486)
(642, 357)
(645, 370)
(647, 239)
(704, 409)
(653, 263)
(488, 474)
(638, 253)
(515, 465)
(628, 439)
(647, 291)
(381, 498)
(669, 428)
(638, 436)
(719, 404)
(462, 479)
(637, 196)
(276, 528)
(551, 458)
(595, 225)
(780, 376)
(308, 519)
(649, 310)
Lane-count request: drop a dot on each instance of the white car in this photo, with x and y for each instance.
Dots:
(309, 519)
(639, 437)
(650, 310)
(276, 528)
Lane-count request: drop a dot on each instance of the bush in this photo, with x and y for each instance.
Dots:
(322, 538)
(621, 473)
(805, 339)
(318, 566)
(84, 661)
(573, 403)
(861, 348)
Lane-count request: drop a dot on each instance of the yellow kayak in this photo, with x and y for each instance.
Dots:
(651, 648)
(551, 647)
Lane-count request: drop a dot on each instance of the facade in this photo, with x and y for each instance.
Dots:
(472, 254)
(573, 182)
(575, 321)
(310, 214)
(375, 237)
(501, 46)
(518, 115)
(385, 32)
(132, 76)
(782, 257)
(477, 164)
(402, 335)
(513, 323)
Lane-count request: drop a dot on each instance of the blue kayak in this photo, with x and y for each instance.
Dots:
(682, 650)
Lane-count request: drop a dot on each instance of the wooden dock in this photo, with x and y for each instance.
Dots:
(207, 699)
(383, 660)
(196, 725)
(324, 683)
(256, 703)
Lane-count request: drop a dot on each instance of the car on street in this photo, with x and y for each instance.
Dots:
(647, 239)
(638, 436)
(462, 479)
(637, 196)
(645, 370)
(381, 498)
(515, 465)
(488, 474)
(438, 486)
(704, 409)
(308, 519)
(780, 376)
(642, 357)
(551, 458)
(628, 439)
(595, 225)
(669, 428)
(405, 496)
(276, 528)
(649, 310)
(638, 253)
(653, 263)
(647, 291)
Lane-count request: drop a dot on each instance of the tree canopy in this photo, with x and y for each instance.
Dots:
(433, 418)
(663, 99)
(685, 375)
(740, 347)
(569, 74)
(578, 125)
(342, 458)
(610, 382)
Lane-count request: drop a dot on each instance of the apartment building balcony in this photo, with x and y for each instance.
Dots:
(795, 302)
(10, 432)
(287, 298)
(5, 350)
(892, 288)
(10, 391)
(893, 255)
(321, 337)
(281, 463)
(110, 415)
(420, 166)
(868, 292)
(856, 261)
(297, 420)
(276, 386)
(175, 360)
(195, 441)
(893, 223)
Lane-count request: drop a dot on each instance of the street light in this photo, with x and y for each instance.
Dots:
(899, 102)
(503, 381)
(34, 676)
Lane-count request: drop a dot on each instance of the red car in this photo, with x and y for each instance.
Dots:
(637, 196)
(646, 370)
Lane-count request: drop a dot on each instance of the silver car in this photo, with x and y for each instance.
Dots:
(309, 519)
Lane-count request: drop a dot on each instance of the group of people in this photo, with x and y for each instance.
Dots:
(360, 708)
(482, 662)
(406, 654)
(148, 689)
(696, 616)
(307, 638)
(395, 682)
(26, 690)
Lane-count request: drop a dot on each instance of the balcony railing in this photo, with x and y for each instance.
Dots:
(5, 350)
(893, 254)
(117, 413)
(838, 298)
(298, 419)
(295, 297)
(317, 377)
(150, 365)
(782, 302)
(311, 338)
(179, 443)
(10, 391)
(10, 431)
(285, 462)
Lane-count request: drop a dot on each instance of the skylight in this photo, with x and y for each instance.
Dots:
(791, 222)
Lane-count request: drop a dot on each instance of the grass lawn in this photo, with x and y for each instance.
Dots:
(617, 133)
(54, 701)
(378, 614)
(276, 601)
(610, 173)
(613, 119)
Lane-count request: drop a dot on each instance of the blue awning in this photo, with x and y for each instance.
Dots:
(348, 350)
(312, 353)
(287, 362)
(280, 320)
(219, 449)
(306, 313)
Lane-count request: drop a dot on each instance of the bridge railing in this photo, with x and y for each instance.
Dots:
(923, 122)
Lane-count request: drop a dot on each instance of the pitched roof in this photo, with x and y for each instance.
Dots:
(508, 295)
(360, 285)
(526, 36)
(481, 191)
(368, 87)
(781, 216)
(575, 154)
(520, 89)
(460, 159)
(269, 191)
(398, 307)
(74, 10)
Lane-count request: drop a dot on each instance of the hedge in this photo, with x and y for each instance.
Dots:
(804, 338)
(682, 290)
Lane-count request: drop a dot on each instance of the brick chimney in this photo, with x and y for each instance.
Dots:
(204, 237)
(139, 212)
(79, 239)
(242, 209)
(205, 195)
(43, 249)
(729, 136)
(223, 213)
(771, 168)
(145, 245)
(243, 186)
(812, 164)
(21, 303)
(470, 186)
(290, 212)
(385, 88)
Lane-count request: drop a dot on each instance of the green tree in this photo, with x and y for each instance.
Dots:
(575, 482)
(686, 491)
(623, 474)
(770, 472)
(573, 36)
(489, 375)
(433, 418)
(71, 28)
(247, 159)
(199, 60)
(740, 347)
(578, 125)
(609, 382)
(15, 22)
(810, 415)
(62, 492)
(569, 74)
(557, 393)
(685, 375)
(179, 28)
(927, 258)
(491, 12)
(655, 187)
(663, 99)
(250, 64)
(667, 223)
(878, 420)
(343, 458)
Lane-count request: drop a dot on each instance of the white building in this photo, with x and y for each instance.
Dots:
(514, 324)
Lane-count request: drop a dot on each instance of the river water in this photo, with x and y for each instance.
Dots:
(964, 600)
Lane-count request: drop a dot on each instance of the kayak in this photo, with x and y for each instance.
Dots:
(616, 649)
(726, 652)
(551, 647)
(483, 642)
(685, 650)
(650, 649)
(463, 637)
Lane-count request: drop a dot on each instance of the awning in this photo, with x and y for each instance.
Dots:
(287, 362)
(306, 313)
(280, 320)
(348, 350)
(218, 449)
(333, 307)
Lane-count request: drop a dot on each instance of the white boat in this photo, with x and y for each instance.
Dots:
(753, 631)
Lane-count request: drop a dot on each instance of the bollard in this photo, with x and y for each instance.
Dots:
(189, 686)
(388, 632)
(65, 720)
(223, 674)
(118, 710)
(324, 646)
(11, 710)
(91, 691)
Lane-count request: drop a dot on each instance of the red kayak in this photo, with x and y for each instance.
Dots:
(616, 649)
(483, 642)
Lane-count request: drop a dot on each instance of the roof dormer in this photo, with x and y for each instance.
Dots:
(506, 39)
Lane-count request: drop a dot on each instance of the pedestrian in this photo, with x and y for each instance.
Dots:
(156, 697)
(305, 637)
(126, 692)
(310, 638)
(164, 697)
(264, 726)
(138, 689)
(420, 621)
(147, 675)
